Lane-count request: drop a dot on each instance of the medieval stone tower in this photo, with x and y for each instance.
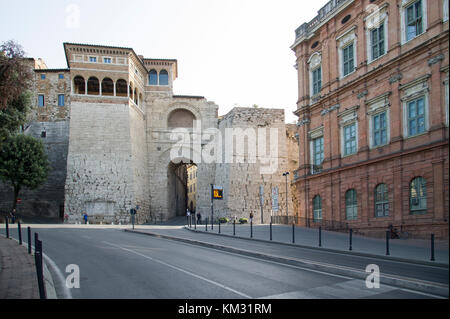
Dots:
(111, 122)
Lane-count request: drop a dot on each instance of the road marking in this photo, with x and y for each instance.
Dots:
(182, 270)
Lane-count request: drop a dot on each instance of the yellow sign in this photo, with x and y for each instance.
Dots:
(217, 192)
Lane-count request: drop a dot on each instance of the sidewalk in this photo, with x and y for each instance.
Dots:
(411, 249)
(18, 278)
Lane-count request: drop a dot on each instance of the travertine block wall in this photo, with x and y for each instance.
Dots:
(241, 179)
(100, 175)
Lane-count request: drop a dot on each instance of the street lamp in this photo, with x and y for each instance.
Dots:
(287, 212)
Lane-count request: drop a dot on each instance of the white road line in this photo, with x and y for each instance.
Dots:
(183, 271)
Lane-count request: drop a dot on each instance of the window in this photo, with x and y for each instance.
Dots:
(379, 129)
(42, 76)
(348, 60)
(61, 76)
(351, 205)
(317, 80)
(92, 59)
(61, 100)
(377, 42)
(93, 86)
(416, 116)
(317, 208)
(317, 153)
(79, 85)
(107, 60)
(153, 77)
(414, 22)
(350, 139)
(381, 201)
(418, 196)
(445, 11)
(163, 77)
(41, 100)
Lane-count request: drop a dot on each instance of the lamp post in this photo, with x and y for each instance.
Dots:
(287, 212)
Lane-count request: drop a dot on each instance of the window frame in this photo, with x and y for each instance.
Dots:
(352, 59)
(107, 57)
(423, 198)
(63, 100)
(92, 58)
(316, 80)
(417, 116)
(380, 130)
(39, 100)
(353, 206)
(43, 76)
(317, 211)
(344, 41)
(404, 19)
(383, 202)
(354, 139)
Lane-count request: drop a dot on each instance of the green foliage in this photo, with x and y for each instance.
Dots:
(223, 220)
(243, 220)
(15, 115)
(23, 162)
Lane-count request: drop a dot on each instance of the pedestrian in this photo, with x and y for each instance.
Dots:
(85, 216)
(13, 216)
(199, 218)
(188, 212)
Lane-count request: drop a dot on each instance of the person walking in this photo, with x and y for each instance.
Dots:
(199, 218)
(13, 216)
(85, 217)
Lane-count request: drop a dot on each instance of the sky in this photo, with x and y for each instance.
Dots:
(232, 52)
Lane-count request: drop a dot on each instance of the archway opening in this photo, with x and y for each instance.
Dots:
(181, 118)
(182, 188)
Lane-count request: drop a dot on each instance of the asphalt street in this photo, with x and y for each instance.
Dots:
(117, 264)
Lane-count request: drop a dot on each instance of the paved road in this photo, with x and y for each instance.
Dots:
(117, 264)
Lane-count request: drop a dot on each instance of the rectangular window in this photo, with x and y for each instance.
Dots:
(416, 116)
(60, 99)
(414, 21)
(317, 80)
(42, 76)
(377, 42)
(92, 59)
(379, 129)
(61, 76)
(41, 100)
(106, 60)
(317, 153)
(348, 59)
(350, 139)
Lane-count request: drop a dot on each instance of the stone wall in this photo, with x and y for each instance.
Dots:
(241, 178)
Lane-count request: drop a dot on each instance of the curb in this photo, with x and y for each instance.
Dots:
(388, 258)
(407, 283)
(50, 290)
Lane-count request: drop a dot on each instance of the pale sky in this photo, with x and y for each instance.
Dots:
(233, 52)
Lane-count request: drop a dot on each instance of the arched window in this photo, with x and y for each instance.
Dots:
(418, 196)
(135, 96)
(107, 87)
(121, 88)
(131, 91)
(163, 77)
(317, 208)
(351, 205)
(153, 77)
(79, 85)
(381, 201)
(93, 86)
(181, 118)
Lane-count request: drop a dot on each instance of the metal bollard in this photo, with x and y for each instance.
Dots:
(19, 230)
(29, 239)
(7, 227)
(351, 237)
(40, 269)
(387, 242)
(36, 238)
(270, 230)
(432, 247)
(206, 223)
(219, 226)
(234, 227)
(320, 236)
(195, 223)
(251, 229)
(293, 233)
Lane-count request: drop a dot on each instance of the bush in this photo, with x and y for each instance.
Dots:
(243, 220)
(223, 220)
